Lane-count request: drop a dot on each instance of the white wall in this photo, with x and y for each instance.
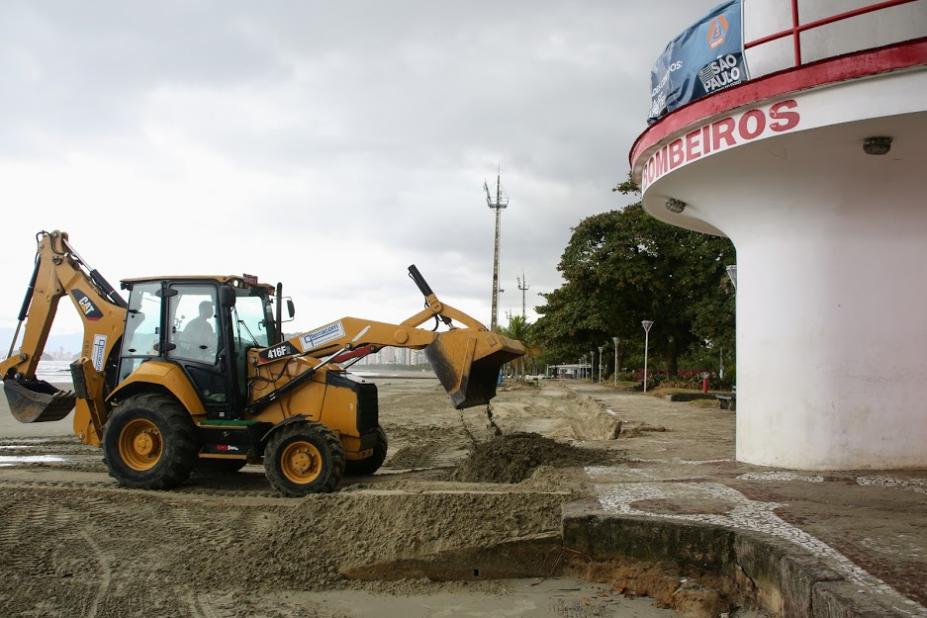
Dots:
(832, 293)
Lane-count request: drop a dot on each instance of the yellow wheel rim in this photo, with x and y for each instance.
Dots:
(301, 462)
(140, 444)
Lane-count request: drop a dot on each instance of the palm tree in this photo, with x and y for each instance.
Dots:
(520, 329)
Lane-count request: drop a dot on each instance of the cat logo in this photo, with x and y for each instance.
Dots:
(717, 31)
(86, 306)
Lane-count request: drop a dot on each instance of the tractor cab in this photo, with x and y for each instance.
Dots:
(204, 325)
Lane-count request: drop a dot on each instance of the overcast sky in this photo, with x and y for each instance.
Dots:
(325, 145)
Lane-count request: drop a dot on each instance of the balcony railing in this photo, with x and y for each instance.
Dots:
(884, 29)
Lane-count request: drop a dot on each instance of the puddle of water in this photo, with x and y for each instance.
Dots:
(10, 460)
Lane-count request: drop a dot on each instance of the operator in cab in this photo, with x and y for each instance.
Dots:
(199, 333)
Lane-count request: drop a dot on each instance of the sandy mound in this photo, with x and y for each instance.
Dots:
(512, 458)
(425, 446)
(415, 456)
(330, 533)
(153, 553)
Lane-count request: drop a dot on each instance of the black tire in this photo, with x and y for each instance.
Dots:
(215, 467)
(176, 435)
(364, 467)
(327, 461)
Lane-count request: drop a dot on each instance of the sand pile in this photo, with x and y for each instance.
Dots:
(130, 548)
(329, 533)
(425, 446)
(512, 458)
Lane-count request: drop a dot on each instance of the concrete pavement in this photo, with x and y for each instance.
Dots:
(861, 536)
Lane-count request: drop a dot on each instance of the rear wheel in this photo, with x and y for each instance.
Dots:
(304, 458)
(369, 465)
(149, 442)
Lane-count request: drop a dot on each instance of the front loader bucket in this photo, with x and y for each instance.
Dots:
(467, 362)
(37, 401)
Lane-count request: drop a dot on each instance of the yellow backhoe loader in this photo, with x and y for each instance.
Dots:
(195, 370)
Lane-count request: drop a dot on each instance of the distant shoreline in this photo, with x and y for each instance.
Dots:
(59, 373)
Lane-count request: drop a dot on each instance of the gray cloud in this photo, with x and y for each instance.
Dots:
(281, 137)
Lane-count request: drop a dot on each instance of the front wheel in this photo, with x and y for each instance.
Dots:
(304, 458)
(149, 442)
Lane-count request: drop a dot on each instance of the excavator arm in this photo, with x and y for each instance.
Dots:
(59, 271)
(466, 359)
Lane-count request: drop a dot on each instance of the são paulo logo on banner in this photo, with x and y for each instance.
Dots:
(706, 57)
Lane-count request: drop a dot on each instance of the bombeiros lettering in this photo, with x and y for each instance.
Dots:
(784, 116)
(720, 135)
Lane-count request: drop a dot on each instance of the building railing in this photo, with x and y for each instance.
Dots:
(797, 27)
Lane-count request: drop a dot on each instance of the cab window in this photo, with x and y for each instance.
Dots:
(250, 316)
(143, 321)
(194, 328)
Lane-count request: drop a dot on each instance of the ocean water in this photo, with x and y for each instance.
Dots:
(56, 372)
(59, 372)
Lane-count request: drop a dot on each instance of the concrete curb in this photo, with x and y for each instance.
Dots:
(759, 571)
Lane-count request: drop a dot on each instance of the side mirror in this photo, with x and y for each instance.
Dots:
(226, 296)
(290, 308)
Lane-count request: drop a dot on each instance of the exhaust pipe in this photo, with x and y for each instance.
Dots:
(37, 401)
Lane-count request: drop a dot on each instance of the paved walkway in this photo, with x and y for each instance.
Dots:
(869, 526)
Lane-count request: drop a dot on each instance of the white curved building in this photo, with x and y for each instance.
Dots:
(831, 236)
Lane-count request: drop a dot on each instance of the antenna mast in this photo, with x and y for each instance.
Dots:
(496, 205)
(524, 287)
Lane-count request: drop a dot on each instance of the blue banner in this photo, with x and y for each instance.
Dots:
(707, 57)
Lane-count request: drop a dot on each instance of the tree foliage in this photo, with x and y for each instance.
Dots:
(623, 266)
(520, 329)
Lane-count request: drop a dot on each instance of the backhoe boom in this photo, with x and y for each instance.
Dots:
(60, 271)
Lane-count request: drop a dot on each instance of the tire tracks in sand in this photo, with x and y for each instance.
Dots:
(106, 574)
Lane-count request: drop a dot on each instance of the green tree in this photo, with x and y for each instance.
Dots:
(520, 329)
(623, 266)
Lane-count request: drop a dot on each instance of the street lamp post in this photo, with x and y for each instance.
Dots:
(646, 324)
(616, 341)
(601, 349)
(732, 274)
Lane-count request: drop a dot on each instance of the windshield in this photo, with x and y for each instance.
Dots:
(251, 328)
